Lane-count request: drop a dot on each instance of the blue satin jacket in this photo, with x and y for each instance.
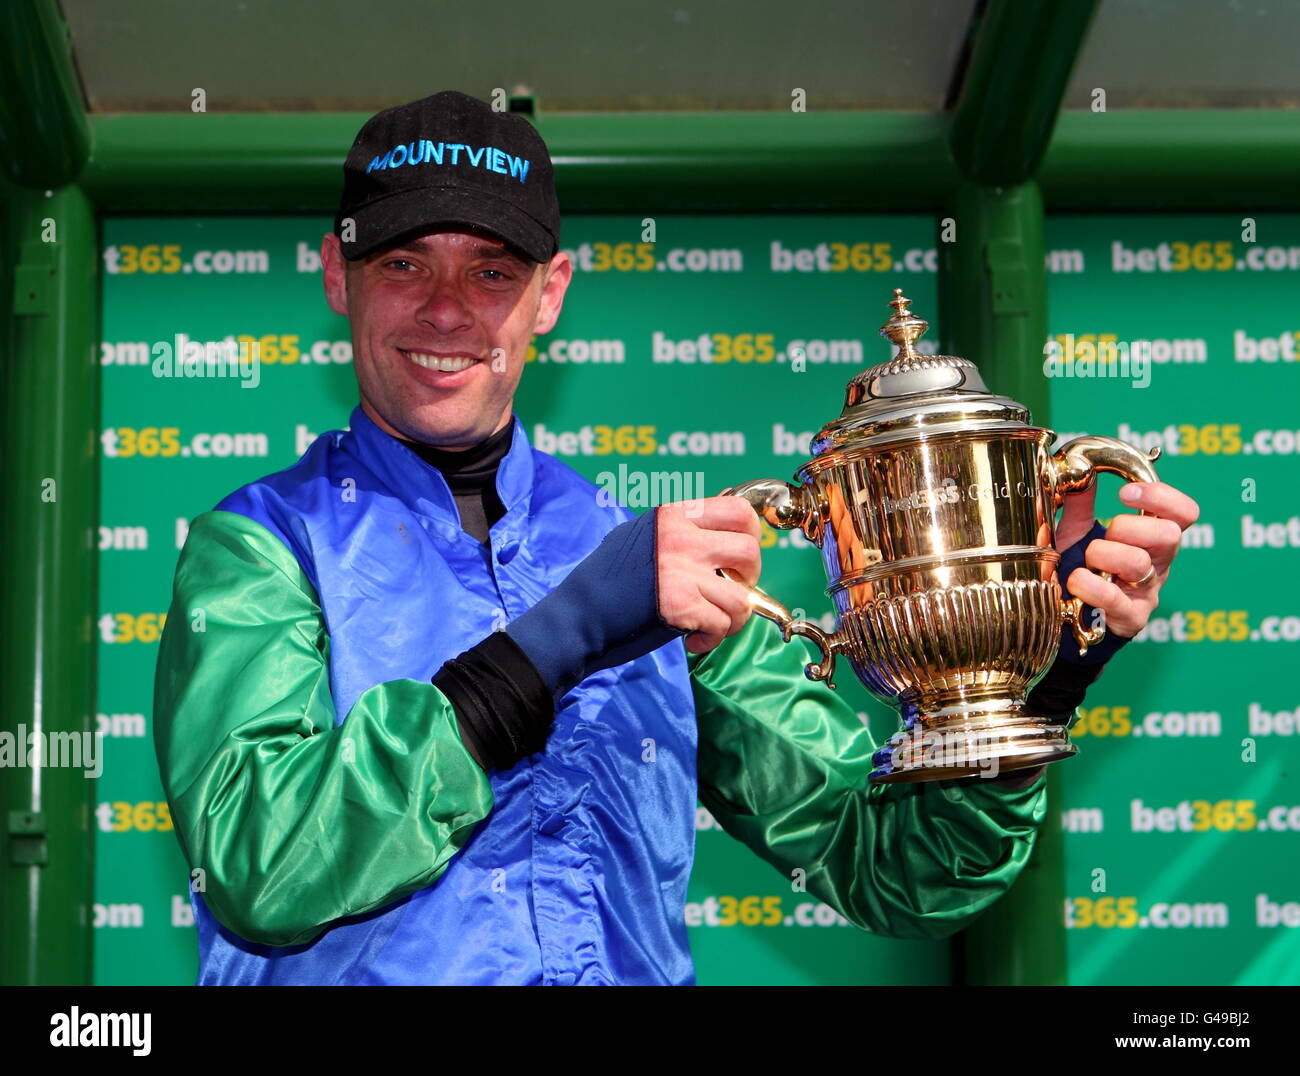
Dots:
(336, 822)
(403, 589)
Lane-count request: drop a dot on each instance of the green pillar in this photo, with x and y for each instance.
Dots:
(993, 311)
(993, 288)
(48, 527)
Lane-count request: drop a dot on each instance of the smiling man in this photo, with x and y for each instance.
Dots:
(447, 716)
(441, 324)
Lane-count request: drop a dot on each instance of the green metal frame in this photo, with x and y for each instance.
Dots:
(991, 167)
(1021, 59)
(49, 303)
(44, 133)
(835, 162)
(48, 524)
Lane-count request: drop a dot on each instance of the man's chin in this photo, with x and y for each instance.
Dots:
(438, 431)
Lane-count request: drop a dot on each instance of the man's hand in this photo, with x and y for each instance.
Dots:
(1133, 546)
(694, 540)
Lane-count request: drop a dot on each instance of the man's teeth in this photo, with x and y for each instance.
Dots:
(447, 364)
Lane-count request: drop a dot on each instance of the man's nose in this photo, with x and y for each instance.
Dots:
(445, 306)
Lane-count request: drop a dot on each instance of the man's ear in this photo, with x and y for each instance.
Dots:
(335, 273)
(556, 276)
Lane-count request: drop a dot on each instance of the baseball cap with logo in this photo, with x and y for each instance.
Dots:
(448, 160)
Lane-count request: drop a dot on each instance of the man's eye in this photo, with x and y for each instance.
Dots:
(500, 274)
(394, 262)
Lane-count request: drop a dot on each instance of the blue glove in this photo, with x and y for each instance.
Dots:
(605, 613)
(1110, 644)
(1063, 687)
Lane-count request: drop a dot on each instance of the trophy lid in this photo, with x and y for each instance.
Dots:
(915, 395)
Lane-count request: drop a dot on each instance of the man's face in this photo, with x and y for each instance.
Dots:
(440, 330)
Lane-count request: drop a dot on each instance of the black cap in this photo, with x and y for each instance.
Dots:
(445, 160)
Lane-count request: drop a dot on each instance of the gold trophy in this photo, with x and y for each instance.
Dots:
(933, 502)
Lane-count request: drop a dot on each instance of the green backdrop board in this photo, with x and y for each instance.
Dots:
(1182, 811)
(706, 353)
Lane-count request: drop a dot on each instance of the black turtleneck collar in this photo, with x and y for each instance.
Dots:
(470, 467)
(471, 473)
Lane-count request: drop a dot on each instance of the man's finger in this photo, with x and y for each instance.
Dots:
(1120, 610)
(737, 552)
(729, 597)
(1161, 500)
(714, 625)
(1129, 562)
(729, 513)
(1159, 537)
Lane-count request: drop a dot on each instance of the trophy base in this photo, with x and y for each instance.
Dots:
(967, 739)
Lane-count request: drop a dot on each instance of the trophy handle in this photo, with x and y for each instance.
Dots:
(782, 505)
(787, 507)
(1074, 468)
(767, 606)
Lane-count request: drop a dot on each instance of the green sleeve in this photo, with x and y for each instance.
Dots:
(783, 765)
(292, 821)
